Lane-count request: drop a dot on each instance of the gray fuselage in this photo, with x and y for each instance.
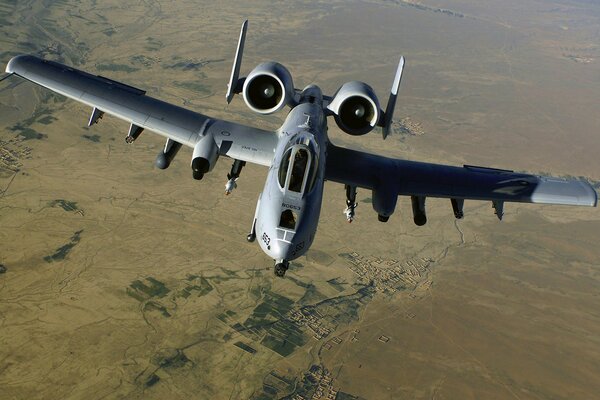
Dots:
(288, 209)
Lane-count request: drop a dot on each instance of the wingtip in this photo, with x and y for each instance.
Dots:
(593, 194)
(13, 64)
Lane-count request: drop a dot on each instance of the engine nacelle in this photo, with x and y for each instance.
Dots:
(356, 108)
(204, 157)
(268, 88)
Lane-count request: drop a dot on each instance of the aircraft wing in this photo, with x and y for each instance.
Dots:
(410, 178)
(144, 112)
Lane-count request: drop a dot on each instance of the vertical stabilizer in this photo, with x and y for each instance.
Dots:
(389, 110)
(234, 87)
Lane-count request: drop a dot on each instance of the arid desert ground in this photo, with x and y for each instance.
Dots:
(124, 281)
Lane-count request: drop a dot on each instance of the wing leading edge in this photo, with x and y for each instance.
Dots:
(412, 178)
(144, 112)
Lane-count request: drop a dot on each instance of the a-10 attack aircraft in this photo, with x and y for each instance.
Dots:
(299, 154)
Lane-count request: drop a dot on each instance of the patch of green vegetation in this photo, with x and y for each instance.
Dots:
(27, 45)
(116, 67)
(256, 292)
(203, 288)
(347, 396)
(308, 384)
(170, 359)
(268, 323)
(27, 133)
(344, 309)
(273, 307)
(109, 32)
(43, 116)
(312, 295)
(192, 65)
(139, 297)
(283, 337)
(295, 266)
(276, 386)
(245, 347)
(337, 284)
(153, 44)
(220, 278)
(226, 316)
(141, 291)
(64, 204)
(229, 272)
(92, 138)
(152, 380)
(54, 98)
(195, 86)
(152, 306)
(143, 60)
(298, 282)
(63, 251)
(47, 120)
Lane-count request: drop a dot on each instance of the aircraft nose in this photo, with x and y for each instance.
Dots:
(280, 250)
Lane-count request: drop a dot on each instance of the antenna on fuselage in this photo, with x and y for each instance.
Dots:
(389, 110)
(235, 84)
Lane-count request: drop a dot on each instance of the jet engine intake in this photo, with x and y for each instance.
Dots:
(204, 158)
(268, 88)
(356, 108)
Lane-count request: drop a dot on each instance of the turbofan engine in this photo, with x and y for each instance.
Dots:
(268, 88)
(356, 108)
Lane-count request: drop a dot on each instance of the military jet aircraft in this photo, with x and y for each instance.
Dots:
(299, 154)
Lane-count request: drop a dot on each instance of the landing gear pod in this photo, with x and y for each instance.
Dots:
(204, 158)
(418, 207)
(384, 202)
(167, 154)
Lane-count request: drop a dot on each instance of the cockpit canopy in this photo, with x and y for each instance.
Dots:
(298, 168)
